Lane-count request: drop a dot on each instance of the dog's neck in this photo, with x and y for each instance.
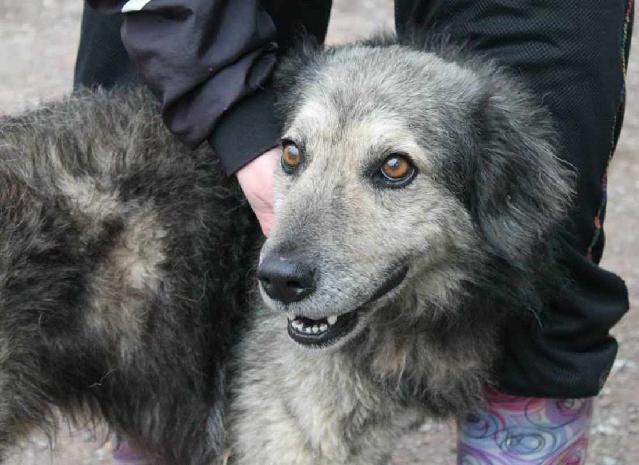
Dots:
(430, 359)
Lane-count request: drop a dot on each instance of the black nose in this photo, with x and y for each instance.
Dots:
(286, 278)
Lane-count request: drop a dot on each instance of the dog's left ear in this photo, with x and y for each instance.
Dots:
(520, 188)
(295, 69)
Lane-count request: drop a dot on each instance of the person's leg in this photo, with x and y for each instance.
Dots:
(573, 54)
(125, 454)
(102, 60)
(524, 431)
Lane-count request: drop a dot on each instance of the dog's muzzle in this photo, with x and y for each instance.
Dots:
(326, 331)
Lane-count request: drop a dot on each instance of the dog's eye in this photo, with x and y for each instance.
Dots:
(291, 157)
(397, 169)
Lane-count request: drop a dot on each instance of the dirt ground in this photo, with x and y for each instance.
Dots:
(38, 39)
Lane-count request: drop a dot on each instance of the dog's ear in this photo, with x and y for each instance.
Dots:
(520, 189)
(294, 69)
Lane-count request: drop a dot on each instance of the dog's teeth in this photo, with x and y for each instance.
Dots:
(323, 327)
(332, 319)
(316, 329)
(308, 330)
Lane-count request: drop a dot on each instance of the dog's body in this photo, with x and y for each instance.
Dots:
(127, 258)
(121, 273)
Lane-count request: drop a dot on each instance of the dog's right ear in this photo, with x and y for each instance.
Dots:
(295, 68)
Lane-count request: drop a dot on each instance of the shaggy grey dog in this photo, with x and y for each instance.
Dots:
(417, 206)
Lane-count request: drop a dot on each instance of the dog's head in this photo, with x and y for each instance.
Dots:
(398, 165)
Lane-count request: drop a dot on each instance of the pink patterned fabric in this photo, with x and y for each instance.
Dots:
(127, 455)
(526, 431)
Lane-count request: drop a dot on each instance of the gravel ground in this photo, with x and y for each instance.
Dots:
(38, 39)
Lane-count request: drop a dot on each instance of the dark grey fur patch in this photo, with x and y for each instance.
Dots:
(118, 274)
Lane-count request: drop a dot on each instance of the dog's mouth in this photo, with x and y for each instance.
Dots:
(323, 332)
(326, 331)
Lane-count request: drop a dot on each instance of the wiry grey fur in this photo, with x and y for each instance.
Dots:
(123, 262)
(126, 259)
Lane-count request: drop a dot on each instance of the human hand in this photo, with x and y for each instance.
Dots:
(256, 181)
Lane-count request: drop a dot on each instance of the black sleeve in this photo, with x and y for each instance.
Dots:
(248, 129)
(208, 61)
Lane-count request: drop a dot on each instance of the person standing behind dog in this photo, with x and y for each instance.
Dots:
(210, 61)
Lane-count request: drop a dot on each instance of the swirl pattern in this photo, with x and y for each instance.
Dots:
(526, 431)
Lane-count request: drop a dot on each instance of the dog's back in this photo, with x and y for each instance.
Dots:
(119, 274)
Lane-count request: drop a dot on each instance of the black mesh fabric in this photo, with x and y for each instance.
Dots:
(573, 54)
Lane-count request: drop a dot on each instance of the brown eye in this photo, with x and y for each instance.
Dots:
(291, 157)
(397, 168)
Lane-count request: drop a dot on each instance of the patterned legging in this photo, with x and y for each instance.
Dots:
(510, 431)
(526, 431)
